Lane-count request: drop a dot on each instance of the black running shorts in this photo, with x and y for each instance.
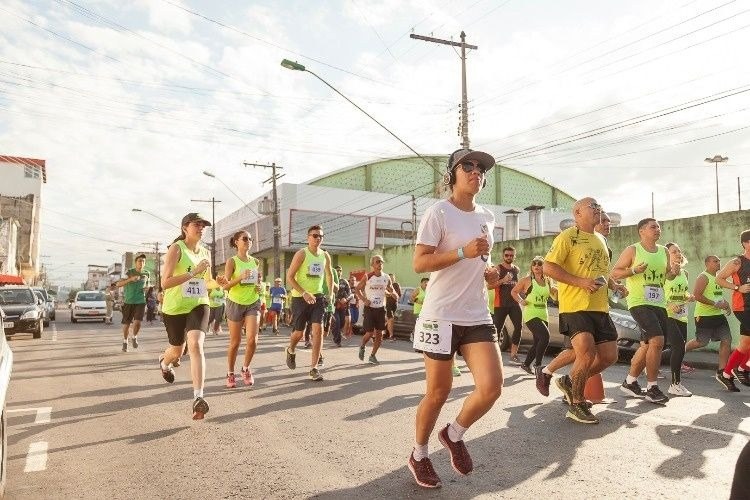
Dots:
(179, 324)
(132, 312)
(463, 335)
(373, 319)
(597, 323)
(712, 329)
(744, 318)
(303, 313)
(652, 321)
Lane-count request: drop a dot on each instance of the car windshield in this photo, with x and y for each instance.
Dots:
(17, 296)
(90, 297)
(42, 292)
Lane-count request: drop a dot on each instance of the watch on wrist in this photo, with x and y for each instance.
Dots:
(736, 288)
(460, 252)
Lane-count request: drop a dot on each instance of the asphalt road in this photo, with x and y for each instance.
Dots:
(88, 421)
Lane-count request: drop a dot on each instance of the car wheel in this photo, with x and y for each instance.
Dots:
(39, 329)
(504, 340)
(46, 323)
(73, 320)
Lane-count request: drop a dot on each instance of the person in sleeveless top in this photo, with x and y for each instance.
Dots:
(186, 272)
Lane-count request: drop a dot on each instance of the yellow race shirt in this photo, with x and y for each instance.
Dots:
(585, 255)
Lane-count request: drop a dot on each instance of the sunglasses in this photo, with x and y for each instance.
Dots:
(470, 166)
(536, 263)
(378, 262)
(316, 236)
(509, 255)
(595, 207)
(245, 238)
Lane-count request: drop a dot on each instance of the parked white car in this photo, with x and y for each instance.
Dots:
(89, 305)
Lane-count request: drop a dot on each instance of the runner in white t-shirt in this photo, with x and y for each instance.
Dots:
(454, 243)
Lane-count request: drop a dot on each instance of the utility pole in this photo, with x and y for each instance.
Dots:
(213, 201)
(464, 95)
(155, 246)
(276, 225)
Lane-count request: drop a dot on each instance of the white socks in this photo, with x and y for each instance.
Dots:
(650, 385)
(420, 452)
(630, 379)
(546, 370)
(197, 393)
(456, 432)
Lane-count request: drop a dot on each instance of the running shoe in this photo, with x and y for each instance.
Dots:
(231, 381)
(542, 381)
(135, 342)
(526, 368)
(515, 359)
(373, 360)
(460, 458)
(566, 387)
(361, 353)
(275, 332)
(456, 371)
(315, 375)
(686, 368)
(728, 383)
(633, 389)
(291, 359)
(742, 376)
(167, 373)
(321, 363)
(307, 345)
(654, 395)
(581, 413)
(679, 390)
(124, 346)
(423, 472)
(200, 408)
(176, 363)
(247, 376)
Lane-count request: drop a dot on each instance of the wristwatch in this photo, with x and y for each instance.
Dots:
(736, 288)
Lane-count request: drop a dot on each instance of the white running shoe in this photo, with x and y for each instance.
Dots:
(679, 390)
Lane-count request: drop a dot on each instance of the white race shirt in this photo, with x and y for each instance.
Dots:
(375, 288)
(458, 293)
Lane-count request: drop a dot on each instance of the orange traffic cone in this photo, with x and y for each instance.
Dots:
(594, 390)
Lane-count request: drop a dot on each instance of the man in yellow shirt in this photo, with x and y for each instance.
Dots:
(579, 261)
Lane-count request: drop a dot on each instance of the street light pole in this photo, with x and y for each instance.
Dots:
(165, 221)
(275, 217)
(213, 201)
(286, 63)
(716, 160)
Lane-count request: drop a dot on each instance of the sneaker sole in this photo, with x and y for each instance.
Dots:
(420, 483)
(445, 445)
(657, 401)
(675, 394)
(572, 416)
(166, 375)
(631, 393)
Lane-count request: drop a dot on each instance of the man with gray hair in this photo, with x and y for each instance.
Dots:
(373, 290)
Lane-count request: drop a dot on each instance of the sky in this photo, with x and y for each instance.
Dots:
(130, 101)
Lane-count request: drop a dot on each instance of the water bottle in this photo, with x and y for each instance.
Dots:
(616, 296)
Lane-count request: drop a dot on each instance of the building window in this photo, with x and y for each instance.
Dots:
(31, 171)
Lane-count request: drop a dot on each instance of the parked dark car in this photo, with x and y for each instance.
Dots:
(6, 367)
(628, 332)
(49, 302)
(23, 310)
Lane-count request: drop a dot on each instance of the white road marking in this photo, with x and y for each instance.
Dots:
(36, 457)
(674, 422)
(43, 413)
(54, 332)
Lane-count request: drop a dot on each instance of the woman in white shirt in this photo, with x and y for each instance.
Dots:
(453, 244)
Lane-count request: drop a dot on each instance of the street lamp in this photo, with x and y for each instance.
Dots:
(213, 176)
(716, 160)
(286, 63)
(155, 216)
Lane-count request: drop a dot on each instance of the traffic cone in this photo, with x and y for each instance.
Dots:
(594, 390)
